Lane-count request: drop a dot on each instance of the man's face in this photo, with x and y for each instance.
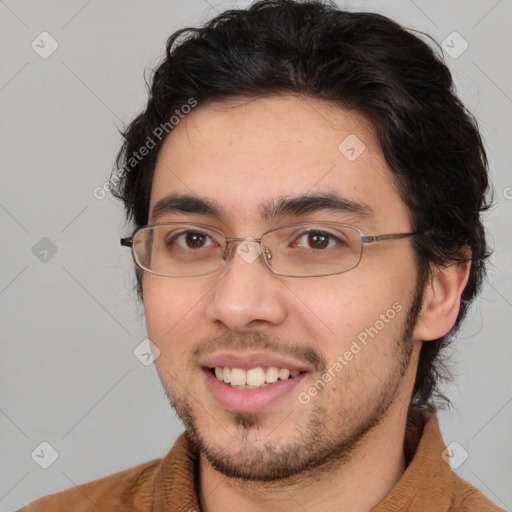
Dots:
(349, 335)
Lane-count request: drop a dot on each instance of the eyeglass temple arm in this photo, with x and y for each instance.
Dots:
(393, 236)
(127, 242)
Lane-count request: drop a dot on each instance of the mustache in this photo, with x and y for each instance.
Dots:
(304, 352)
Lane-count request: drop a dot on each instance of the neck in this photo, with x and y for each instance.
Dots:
(356, 484)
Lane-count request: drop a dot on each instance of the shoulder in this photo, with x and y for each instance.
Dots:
(429, 482)
(126, 491)
(468, 498)
(441, 485)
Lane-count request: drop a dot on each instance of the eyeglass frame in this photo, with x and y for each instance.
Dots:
(365, 239)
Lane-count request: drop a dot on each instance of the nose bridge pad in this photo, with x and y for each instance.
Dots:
(249, 249)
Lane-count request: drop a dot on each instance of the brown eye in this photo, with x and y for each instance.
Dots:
(191, 240)
(318, 240)
(195, 240)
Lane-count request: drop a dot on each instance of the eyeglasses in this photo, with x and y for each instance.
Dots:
(306, 249)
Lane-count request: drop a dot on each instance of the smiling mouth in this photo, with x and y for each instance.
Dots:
(253, 378)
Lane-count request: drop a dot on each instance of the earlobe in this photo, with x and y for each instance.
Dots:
(441, 299)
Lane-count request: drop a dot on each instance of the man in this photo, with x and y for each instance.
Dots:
(307, 194)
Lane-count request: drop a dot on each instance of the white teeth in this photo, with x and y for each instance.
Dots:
(238, 377)
(254, 377)
(284, 373)
(272, 374)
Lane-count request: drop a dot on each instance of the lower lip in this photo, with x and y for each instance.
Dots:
(249, 400)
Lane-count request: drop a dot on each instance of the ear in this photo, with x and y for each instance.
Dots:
(441, 298)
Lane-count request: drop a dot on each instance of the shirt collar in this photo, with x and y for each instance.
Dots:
(423, 445)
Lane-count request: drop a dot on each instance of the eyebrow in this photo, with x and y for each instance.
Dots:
(311, 203)
(271, 210)
(178, 203)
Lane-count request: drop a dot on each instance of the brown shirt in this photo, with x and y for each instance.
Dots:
(167, 485)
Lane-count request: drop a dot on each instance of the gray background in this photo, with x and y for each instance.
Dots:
(70, 320)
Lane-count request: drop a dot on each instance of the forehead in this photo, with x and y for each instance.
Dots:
(247, 153)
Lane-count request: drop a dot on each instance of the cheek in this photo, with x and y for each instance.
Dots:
(173, 318)
(341, 307)
(167, 303)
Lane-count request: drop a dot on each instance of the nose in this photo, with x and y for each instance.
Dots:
(247, 294)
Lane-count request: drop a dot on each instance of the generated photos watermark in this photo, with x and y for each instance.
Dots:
(355, 348)
(151, 142)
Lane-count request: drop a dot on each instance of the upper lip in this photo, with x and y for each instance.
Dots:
(248, 360)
